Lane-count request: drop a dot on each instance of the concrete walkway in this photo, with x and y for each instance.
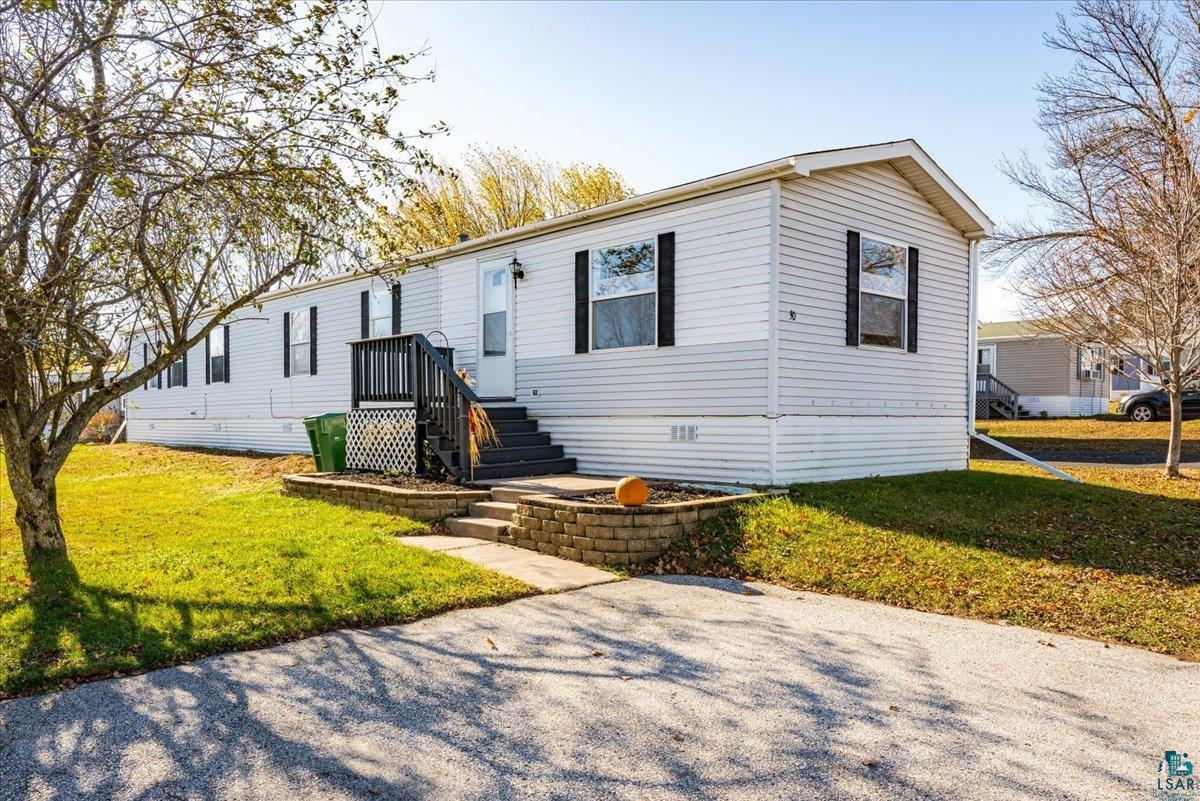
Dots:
(642, 689)
(547, 573)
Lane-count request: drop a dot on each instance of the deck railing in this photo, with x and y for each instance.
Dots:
(406, 368)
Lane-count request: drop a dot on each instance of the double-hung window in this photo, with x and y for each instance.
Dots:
(177, 376)
(299, 342)
(380, 323)
(624, 288)
(883, 298)
(216, 355)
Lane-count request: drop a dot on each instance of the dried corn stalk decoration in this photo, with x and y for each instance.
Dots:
(481, 432)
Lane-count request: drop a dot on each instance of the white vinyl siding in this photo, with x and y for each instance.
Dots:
(722, 275)
(847, 411)
(837, 411)
(818, 372)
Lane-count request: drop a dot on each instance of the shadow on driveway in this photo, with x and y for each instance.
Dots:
(674, 687)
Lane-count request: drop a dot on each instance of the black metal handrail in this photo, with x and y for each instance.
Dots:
(406, 368)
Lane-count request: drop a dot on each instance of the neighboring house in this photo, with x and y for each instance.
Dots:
(1048, 373)
(802, 319)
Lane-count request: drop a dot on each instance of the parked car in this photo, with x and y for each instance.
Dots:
(1145, 407)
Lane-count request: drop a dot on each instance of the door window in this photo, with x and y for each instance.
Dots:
(984, 359)
(495, 312)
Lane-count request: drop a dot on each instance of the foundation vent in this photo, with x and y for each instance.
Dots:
(683, 433)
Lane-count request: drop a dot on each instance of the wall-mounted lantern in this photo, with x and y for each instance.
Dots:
(516, 269)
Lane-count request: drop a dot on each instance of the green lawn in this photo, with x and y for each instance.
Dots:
(1116, 559)
(1106, 434)
(175, 554)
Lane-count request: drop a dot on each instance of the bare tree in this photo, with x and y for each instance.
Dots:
(1116, 263)
(493, 190)
(161, 160)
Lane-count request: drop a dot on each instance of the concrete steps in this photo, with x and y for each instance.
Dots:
(496, 510)
(484, 528)
(489, 520)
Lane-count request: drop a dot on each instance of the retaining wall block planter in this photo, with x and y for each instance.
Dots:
(429, 507)
(608, 534)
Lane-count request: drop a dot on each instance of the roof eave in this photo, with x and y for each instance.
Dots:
(972, 221)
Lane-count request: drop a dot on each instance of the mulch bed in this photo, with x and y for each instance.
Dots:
(415, 483)
(659, 493)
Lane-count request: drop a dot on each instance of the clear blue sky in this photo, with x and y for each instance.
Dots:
(667, 93)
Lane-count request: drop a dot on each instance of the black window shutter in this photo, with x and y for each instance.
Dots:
(312, 340)
(170, 378)
(226, 356)
(666, 289)
(207, 360)
(582, 335)
(396, 328)
(852, 264)
(184, 369)
(913, 269)
(287, 344)
(146, 361)
(158, 350)
(365, 312)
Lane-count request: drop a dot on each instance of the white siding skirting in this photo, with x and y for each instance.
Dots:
(820, 448)
(1064, 405)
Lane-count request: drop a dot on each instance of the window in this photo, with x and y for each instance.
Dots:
(624, 295)
(216, 355)
(381, 312)
(178, 374)
(1091, 362)
(299, 337)
(883, 298)
(495, 313)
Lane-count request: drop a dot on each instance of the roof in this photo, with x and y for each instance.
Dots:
(905, 155)
(1012, 329)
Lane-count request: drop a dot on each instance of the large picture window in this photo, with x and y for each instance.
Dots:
(299, 338)
(624, 284)
(883, 298)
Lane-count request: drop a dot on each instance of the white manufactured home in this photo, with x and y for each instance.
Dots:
(808, 318)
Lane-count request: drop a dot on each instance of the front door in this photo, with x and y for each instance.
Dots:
(496, 362)
(986, 359)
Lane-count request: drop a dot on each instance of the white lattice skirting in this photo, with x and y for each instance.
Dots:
(382, 439)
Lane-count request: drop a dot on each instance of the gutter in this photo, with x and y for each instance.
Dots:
(972, 364)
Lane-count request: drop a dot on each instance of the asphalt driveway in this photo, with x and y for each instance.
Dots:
(669, 688)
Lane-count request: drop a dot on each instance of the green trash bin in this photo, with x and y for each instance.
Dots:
(327, 436)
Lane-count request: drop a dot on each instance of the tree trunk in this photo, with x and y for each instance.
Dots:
(1175, 443)
(37, 503)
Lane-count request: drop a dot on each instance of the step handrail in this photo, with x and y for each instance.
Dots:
(420, 341)
(443, 399)
(993, 390)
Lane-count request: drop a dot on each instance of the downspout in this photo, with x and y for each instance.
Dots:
(972, 365)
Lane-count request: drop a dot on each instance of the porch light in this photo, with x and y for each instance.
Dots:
(514, 267)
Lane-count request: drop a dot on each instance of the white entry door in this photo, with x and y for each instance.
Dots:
(986, 360)
(497, 372)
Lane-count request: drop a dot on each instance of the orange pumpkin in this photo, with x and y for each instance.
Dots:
(632, 491)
